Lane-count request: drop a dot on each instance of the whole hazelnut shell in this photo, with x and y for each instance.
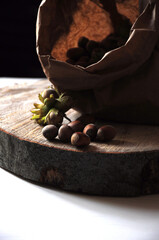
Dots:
(55, 119)
(79, 139)
(82, 41)
(75, 53)
(65, 132)
(106, 133)
(77, 126)
(47, 92)
(83, 59)
(91, 45)
(91, 131)
(50, 132)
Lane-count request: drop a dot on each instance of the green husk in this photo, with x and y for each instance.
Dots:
(41, 98)
(51, 110)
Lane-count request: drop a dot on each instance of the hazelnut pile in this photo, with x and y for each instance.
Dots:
(79, 134)
(89, 51)
(50, 113)
(52, 108)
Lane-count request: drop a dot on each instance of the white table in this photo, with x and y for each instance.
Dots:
(32, 212)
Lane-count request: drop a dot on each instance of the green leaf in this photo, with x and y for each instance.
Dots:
(35, 111)
(56, 111)
(42, 121)
(61, 96)
(63, 103)
(39, 106)
(34, 117)
(41, 98)
(49, 102)
(56, 89)
(45, 109)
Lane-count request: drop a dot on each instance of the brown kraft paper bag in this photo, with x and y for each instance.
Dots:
(124, 85)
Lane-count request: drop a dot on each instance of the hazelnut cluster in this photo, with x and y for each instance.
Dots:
(89, 51)
(52, 108)
(50, 113)
(78, 133)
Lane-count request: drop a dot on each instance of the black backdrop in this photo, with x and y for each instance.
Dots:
(18, 56)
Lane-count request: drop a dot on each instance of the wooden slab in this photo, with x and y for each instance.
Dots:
(126, 166)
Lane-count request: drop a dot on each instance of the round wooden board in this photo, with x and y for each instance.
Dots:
(126, 166)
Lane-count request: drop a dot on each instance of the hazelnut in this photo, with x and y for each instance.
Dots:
(75, 53)
(50, 132)
(84, 59)
(98, 53)
(124, 27)
(82, 42)
(55, 118)
(91, 131)
(80, 139)
(93, 60)
(110, 42)
(47, 92)
(106, 133)
(65, 132)
(77, 126)
(91, 45)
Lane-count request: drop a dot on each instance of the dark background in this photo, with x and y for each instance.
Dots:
(18, 56)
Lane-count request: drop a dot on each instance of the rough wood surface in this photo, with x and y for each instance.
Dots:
(126, 166)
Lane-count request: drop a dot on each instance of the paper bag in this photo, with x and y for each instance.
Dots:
(124, 85)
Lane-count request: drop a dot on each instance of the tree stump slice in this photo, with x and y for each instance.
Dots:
(126, 166)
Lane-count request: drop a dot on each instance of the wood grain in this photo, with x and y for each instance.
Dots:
(126, 166)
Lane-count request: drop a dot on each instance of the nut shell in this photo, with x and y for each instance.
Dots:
(110, 42)
(75, 53)
(98, 53)
(106, 133)
(79, 139)
(82, 41)
(54, 118)
(84, 59)
(50, 132)
(47, 92)
(65, 132)
(91, 45)
(91, 131)
(77, 126)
